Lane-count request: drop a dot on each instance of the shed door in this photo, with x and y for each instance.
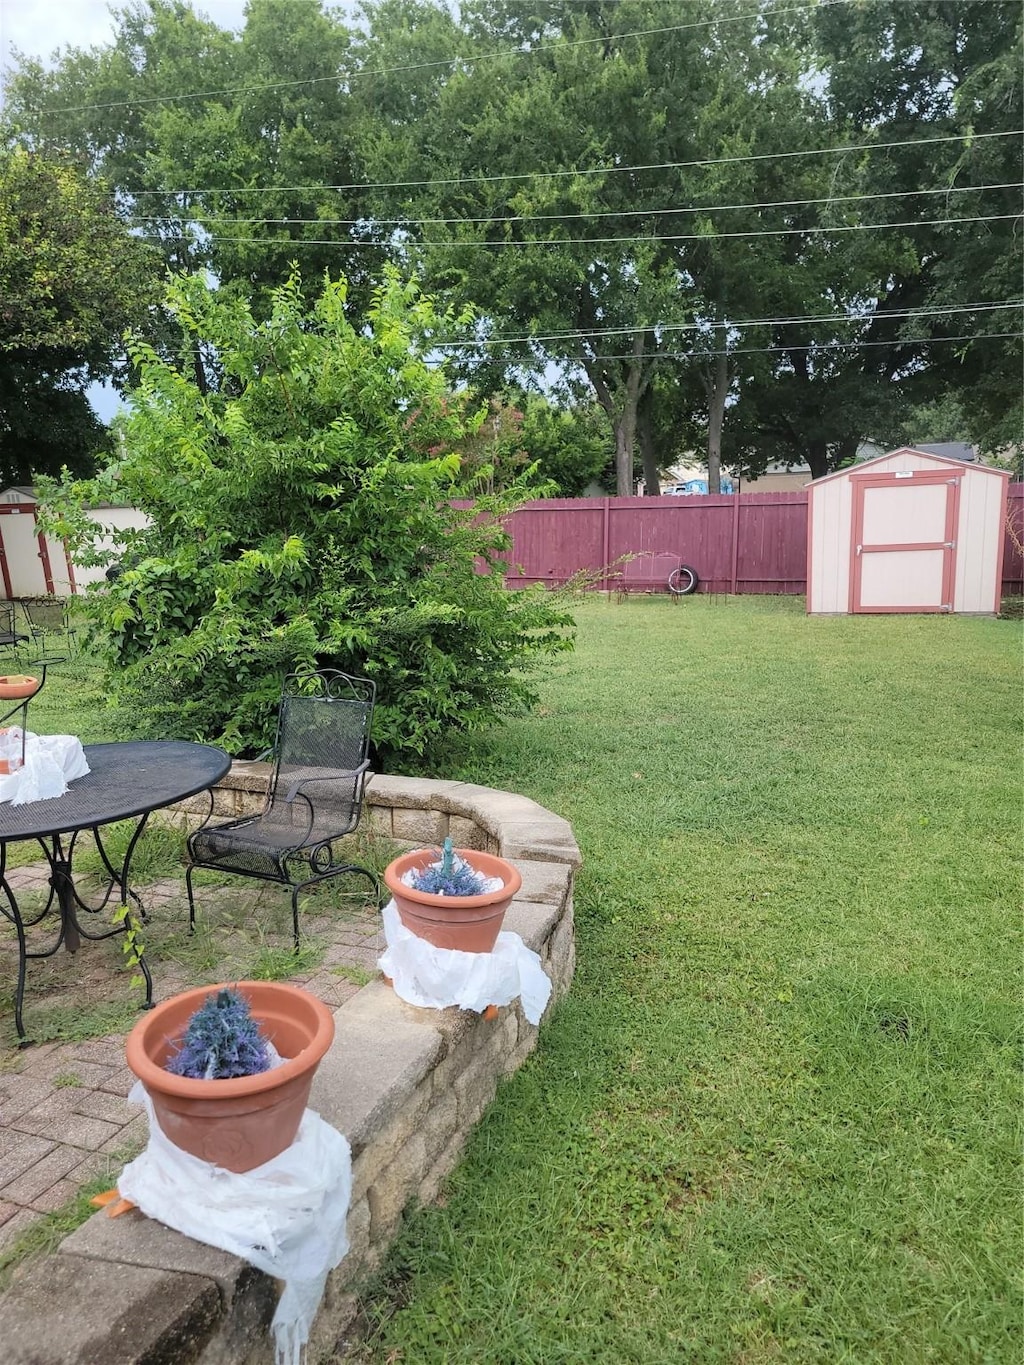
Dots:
(904, 547)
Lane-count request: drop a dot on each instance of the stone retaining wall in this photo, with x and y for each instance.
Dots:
(406, 1086)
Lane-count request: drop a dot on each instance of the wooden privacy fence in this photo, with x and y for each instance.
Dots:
(747, 543)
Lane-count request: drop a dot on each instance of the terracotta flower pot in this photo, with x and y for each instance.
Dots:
(241, 1123)
(469, 923)
(15, 685)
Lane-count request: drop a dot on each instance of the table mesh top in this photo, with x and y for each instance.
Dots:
(123, 780)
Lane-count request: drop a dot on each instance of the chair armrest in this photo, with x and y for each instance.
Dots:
(296, 788)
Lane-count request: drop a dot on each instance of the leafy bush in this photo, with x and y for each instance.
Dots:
(301, 518)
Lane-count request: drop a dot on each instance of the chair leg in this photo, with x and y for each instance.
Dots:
(191, 899)
(295, 913)
(332, 876)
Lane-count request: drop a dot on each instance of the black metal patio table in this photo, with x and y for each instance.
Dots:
(125, 782)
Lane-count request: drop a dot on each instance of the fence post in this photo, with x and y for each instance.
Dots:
(735, 542)
(605, 542)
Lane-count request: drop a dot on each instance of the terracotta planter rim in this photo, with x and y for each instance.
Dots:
(155, 1077)
(15, 685)
(489, 863)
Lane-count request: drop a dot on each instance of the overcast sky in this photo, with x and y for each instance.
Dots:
(37, 27)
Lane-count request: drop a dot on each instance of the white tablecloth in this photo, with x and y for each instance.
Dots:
(51, 762)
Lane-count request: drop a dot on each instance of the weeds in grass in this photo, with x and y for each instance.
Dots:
(359, 976)
(43, 1237)
(275, 963)
(70, 1023)
(158, 853)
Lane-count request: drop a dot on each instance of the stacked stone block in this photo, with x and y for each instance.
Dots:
(405, 1085)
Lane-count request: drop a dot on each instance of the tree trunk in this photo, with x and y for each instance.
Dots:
(648, 451)
(817, 458)
(621, 408)
(718, 391)
(625, 435)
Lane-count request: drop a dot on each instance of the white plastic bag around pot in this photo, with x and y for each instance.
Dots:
(434, 978)
(286, 1217)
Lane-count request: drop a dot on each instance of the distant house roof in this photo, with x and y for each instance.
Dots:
(950, 450)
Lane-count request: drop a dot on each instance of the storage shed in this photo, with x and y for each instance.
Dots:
(34, 565)
(906, 532)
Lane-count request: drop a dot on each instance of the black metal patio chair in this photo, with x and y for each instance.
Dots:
(10, 636)
(49, 626)
(315, 797)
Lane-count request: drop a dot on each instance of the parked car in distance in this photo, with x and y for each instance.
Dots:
(693, 488)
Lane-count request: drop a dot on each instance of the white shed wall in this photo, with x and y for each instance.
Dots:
(21, 549)
(979, 532)
(979, 527)
(828, 558)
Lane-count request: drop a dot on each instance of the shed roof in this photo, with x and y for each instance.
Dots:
(951, 462)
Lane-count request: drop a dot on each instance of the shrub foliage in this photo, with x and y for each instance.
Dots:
(301, 517)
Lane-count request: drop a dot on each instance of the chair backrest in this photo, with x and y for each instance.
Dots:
(323, 734)
(7, 626)
(649, 570)
(46, 615)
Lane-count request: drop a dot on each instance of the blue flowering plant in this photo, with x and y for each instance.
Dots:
(450, 876)
(221, 1041)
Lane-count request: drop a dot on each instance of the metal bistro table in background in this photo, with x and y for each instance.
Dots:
(125, 781)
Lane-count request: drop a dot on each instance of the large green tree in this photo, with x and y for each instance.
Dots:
(698, 213)
(71, 279)
(941, 78)
(225, 147)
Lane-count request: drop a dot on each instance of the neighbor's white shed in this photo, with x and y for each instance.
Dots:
(34, 565)
(906, 531)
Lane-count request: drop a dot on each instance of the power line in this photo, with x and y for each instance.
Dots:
(600, 213)
(461, 59)
(988, 306)
(290, 242)
(593, 170)
(524, 363)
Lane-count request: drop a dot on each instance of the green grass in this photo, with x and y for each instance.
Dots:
(777, 1116)
(73, 700)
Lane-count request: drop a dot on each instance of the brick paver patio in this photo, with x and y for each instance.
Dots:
(64, 1113)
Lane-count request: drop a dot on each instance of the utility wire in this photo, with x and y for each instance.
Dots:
(290, 242)
(525, 361)
(568, 217)
(867, 318)
(593, 170)
(460, 60)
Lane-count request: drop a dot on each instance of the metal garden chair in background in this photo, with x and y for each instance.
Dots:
(10, 636)
(49, 625)
(315, 797)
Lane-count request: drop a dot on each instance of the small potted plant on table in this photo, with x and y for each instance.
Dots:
(228, 1068)
(454, 899)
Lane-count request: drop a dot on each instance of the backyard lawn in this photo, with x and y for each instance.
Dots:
(776, 1118)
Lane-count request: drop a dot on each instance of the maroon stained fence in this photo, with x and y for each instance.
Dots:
(1013, 562)
(748, 543)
